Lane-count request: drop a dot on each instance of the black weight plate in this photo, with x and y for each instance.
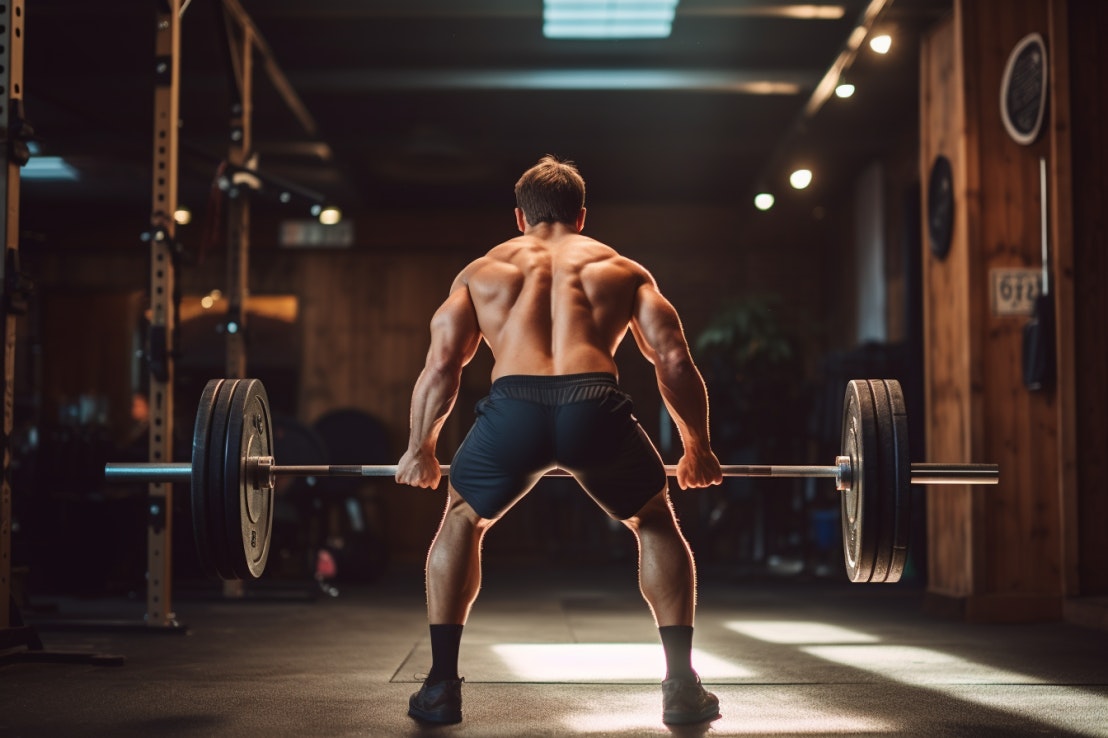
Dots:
(222, 555)
(198, 493)
(882, 528)
(902, 489)
(248, 508)
(860, 499)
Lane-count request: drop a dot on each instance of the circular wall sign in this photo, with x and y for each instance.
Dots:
(1023, 89)
(940, 206)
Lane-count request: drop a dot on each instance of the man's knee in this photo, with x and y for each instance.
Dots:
(459, 512)
(656, 513)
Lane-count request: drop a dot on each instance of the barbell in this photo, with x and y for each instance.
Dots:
(233, 475)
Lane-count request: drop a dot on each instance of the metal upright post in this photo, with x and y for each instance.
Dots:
(159, 572)
(15, 135)
(11, 94)
(238, 212)
(240, 41)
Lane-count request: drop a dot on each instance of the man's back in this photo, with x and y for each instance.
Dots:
(553, 302)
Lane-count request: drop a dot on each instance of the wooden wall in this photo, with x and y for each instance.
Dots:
(1003, 553)
(1088, 25)
(363, 312)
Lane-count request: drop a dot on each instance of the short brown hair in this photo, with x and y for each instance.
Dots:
(552, 191)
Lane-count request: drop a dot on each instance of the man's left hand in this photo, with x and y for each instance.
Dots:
(419, 469)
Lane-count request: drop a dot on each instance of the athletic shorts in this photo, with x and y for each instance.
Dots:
(582, 423)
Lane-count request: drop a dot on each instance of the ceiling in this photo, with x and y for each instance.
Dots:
(415, 103)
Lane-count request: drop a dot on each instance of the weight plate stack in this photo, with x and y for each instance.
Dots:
(877, 504)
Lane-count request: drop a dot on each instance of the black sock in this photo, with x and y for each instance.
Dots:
(445, 640)
(677, 643)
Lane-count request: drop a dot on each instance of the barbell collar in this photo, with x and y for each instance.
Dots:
(927, 473)
(148, 472)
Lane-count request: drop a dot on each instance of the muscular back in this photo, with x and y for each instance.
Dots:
(553, 302)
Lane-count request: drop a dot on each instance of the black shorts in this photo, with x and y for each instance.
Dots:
(582, 423)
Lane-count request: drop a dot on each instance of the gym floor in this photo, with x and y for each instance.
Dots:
(554, 652)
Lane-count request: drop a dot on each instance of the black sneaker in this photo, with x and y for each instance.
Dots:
(440, 702)
(684, 700)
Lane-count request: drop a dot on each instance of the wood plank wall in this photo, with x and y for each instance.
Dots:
(1088, 30)
(946, 336)
(363, 316)
(996, 553)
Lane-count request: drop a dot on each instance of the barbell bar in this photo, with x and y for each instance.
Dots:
(233, 475)
(922, 473)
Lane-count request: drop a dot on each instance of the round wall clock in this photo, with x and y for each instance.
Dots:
(1023, 89)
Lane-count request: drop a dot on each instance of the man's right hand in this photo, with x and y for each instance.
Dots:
(698, 469)
(418, 469)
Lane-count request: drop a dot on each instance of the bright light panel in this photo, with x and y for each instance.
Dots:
(608, 19)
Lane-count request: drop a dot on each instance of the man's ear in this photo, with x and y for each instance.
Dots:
(521, 221)
(581, 220)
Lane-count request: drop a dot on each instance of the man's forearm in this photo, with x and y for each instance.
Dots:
(435, 391)
(686, 397)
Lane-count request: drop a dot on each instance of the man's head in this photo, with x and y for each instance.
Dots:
(552, 191)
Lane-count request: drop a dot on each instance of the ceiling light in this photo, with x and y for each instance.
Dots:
(845, 89)
(881, 44)
(182, 215)
(763, 201)
(330, 215)
(49, 168)
(608, 19)
(801, 178)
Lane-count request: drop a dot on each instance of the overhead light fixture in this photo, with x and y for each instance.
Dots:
(844, 89)
(209, 300)
(801, 178)
(607, 19)
(52, 168)
(182, 215)
(881, 43)
(327, 215)
(763, 201)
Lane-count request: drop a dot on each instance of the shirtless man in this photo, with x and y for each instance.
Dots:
(553, 306)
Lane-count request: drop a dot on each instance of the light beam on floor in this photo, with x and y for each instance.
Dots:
(1034, 697)
(741, 713)
(798, 632)
(605, 662)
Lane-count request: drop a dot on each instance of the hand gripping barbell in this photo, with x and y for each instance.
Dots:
(233, 474)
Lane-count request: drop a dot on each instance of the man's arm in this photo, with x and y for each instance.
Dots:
(661, 338)
(455, 337)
